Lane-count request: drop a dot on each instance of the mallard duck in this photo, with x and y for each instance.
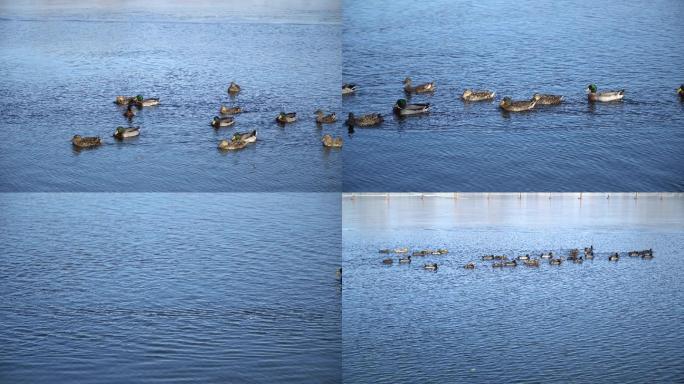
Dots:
(284, 118)
(123, 100)
(239, 140)
(348, 88)
(129, 113)
(531, 262)
(469, 266)
(488, 257)
(430, 266)
(442, 251)
(500, 257)
(401, 108)
(230, 110)
(605, 96)
(614, 257)
(509, 105)
(233, 88)
(332, 142)
(85, 142)
(421, 253)
(142, 102)
(422, 88)
(400, 250)
(322, 118)
(388, 261)
(218, 122)
(555, 261)
(542, 99)
(124, 133)
(368, 120)
(511, 263)
(680, 91)
(473, 95)
(405, 260)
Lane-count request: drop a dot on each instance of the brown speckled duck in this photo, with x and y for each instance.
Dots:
(233, 88)
(85, 141)
(230, 110)
(422, 88)
(517, 106)
(475, 95)
(332, 142)
(322, 118)
(543, 99)
(368, 120)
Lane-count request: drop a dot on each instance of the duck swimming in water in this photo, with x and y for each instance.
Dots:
(368, 120)
(430, 266)
(542, 99)
(388, 261)
(85, 141)
(286, 117)
(230, 110)
(680, 92)
(509, 105)
(405, 260)
(239, 140)
(614, 257)
(233, 88)
(473, 95)
(322, 118)
(348, 88)
(402, 108)
(124, 133)
(605, 96)
(422, 88)
(332, 142)
(469, 266)
(129, 113)
(218, 122)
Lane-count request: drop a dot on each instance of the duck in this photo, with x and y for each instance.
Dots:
(523, 257)
(430, 266)
(500, 257)
(422, 88)
(614, 257)
(218, 122)
(348, 88)
(129, 113)
(605, 96)
(230, 110)
(470, 265)
(488, 257)
(574, 253)
(509, 105)
(286, 117)
(400, 250)
(532, 262)
(384, 251)
(555, 261)
(511, 263)
(578, 260)
(405, 260)
(239, 140)
(401, 108)
(680, 92)
(142, 102)
(634, 254)
(124, 100)
(547, 255)
(442, 251)
(124, 133)
(497, 265)
(233, 88)
(421, 253)
(589, 251)
(543, 99)
(388, 261)
(647, 256)
(86, 141)
(322, 118)
(477, 95)
(332, 142)
(368, 120)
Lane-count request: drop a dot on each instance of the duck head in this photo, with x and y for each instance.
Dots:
(139, 98)
(591, 88)
(401, 103)
(506, 101)
(680, 90)
(407, 80)
(467, 92)
(536, 97)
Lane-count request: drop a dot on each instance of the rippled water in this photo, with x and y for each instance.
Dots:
(594, 322)
(516, 48)
(111, 288)
(62, 66)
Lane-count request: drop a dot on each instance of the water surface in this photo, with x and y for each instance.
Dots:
(516, 48)
(212, 288)
(594, 322)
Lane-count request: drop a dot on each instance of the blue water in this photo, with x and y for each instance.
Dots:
(63, 64)
(212, 288)
(594, 322)
(516, 48)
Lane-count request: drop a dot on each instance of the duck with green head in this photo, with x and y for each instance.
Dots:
(140, 101)
(286, 117)
(218, 122)
(605, 96)
(124, 133)
(402, 108)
